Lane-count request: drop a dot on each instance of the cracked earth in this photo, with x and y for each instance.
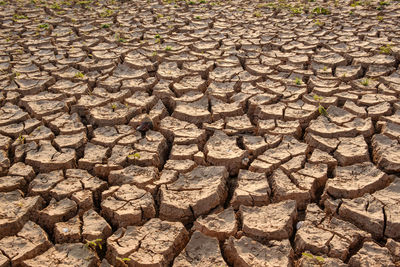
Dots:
(274, 140)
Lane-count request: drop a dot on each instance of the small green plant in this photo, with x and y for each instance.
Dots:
(157, 36)
(123, 260)
(2, 3)
(107, 13)
(93, 244)
(321, 108)
(380, 18)
(17, 17)
(191, 3)
(168, 48)
(318, 22)
(325, 68)
(154, 53)
(55, 6)
(197, 17)
(106, 25)
(298, 81)
(365, 82)
(321, 10)
(43, 26)
(113, 106)
(257, 14)
(21, 139)
(355, 3)
(385, 49)
(79, 75)
(296, 10)
(134, 156)
(313, 257)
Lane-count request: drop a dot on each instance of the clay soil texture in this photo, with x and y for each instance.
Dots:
(199, 133)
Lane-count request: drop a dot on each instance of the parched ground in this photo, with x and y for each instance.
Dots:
(275, 139)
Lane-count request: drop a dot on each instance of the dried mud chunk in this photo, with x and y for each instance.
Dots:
(113, 114)
(181, 166)
(252, 190)
(394, 248)
(311, 178)
(11, 183)
(255, 145)
(365, 212)
(134, 175)
(93, 184)
(190, 83)
(379, 110)
(155, 243)
(351, 107)
(200, 251)
(355, 180)
(182, 152)
(181, 132)
(327, 145)
(273, 111)
(65, 255)
(351, 151)
(386, 153)
(193, 194)
(67, 124)
(372, 255)
(220, 225)
(222, 150)
(128, 205)
(55, 212)
(392, 130)
(319, 156)
(248, 252)
(30, 241)
(94, 154)
(195, 112)
(69, 231)
(15, 211)
(74, 141)
(313, 239)
(221, 110)
(141, 101)
(312, 261)
(94, 226)
(4, 261)
(10, 113)
(274, 221)
(5, 142)
(364, 127)
(84, 199)
(322, 127)
(46, 158)
(284, 189)
(41, 108)
(338, 115)
(44, 183)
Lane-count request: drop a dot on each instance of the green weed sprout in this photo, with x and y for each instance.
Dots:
(365, 82)
(93, 244)
(123, 260)
(321, 109)
(79, 75)
(298, 81)
(134, 156)
(168, 48)
(43, 26)
(312, 257)
(385, 49)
